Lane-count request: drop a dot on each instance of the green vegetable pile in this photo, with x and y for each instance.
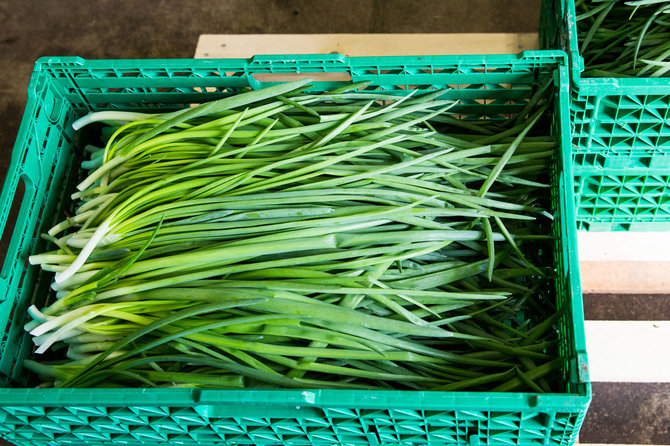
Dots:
(280, 238)
(624, 38)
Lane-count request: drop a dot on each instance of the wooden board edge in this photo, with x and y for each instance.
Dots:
(641, 277)
(248, 45)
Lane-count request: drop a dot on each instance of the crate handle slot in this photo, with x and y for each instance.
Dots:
(20, 204)
(257, 411)
(17, 197)
(331, 76)
(284, 60)
(321, 68)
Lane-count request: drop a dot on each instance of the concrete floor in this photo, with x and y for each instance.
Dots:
(114, 29)
(29, 29)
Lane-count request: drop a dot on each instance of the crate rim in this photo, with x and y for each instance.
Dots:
(423, 400)
(45, 62)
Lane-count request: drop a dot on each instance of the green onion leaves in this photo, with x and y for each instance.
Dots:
(282, 238)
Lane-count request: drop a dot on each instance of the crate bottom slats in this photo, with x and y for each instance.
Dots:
(637, 200)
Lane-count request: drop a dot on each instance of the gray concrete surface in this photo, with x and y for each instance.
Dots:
(169, 29)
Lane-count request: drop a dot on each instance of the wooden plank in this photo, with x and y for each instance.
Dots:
(624, 262)
(247, 45)
(625, 277)
(628, 351)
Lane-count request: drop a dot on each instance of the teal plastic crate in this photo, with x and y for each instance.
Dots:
(44, 166)
(620, 137)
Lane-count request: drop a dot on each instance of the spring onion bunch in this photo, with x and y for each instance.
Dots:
(281, 238)
(624, 38)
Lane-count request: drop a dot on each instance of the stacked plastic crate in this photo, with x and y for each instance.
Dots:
(620, 130)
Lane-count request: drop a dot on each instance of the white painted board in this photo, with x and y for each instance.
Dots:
(628, 351)
(626, 246)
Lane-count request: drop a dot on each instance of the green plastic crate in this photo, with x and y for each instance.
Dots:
(620, 137)
(63, 89)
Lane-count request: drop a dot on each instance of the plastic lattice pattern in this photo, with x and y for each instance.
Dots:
(188, 426)
(623, 201)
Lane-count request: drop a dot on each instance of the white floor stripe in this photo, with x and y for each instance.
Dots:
(628, 246)
(628, 351)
